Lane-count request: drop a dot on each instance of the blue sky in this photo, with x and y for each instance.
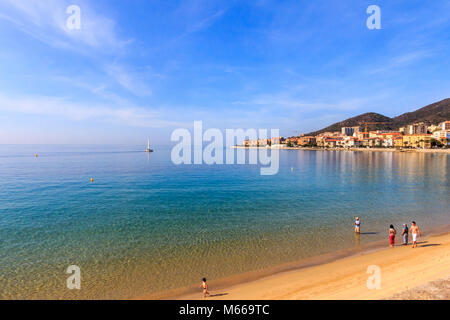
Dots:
(142, 68)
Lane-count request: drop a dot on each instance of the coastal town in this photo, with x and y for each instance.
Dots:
(413, 136)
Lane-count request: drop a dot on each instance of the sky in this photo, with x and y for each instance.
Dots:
(142, 68)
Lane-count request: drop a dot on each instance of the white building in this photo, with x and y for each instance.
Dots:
(433, 128)
(445, 125)
(350, 142)
(438, 135)
(388, 142)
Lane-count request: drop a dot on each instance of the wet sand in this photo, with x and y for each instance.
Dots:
(402, 270)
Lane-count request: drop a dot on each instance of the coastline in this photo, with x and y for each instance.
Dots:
(288, 219)
(402, 269)
(337, 275)
(444, 151)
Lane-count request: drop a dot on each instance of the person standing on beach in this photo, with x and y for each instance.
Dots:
(392, 233)
(405, 234)
(357, 224)
(204, 286)
(415, 231)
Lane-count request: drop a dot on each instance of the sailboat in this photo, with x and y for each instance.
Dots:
(148, 146)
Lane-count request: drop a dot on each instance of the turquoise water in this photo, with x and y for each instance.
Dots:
(145, 225)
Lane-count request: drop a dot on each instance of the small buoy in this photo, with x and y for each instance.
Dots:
(92, 179)
(292, 168)
(36, 155)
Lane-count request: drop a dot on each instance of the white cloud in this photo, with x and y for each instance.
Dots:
(46, 22)
(282, 101)
(131, 115)
(401, 61)
(206, 22)
(193, 24)
(133, 82)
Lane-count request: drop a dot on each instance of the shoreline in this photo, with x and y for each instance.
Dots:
(444, 151)
(301, 280)
(401, 270)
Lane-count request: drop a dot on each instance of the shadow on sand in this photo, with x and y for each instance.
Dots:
(424, 244)
(429, 245)
(218, 295)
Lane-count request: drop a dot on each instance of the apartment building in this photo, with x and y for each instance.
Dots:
(417, 140)
(416, 128)
(398, 142)
(445, 125)
(306, 140)
(349, 131)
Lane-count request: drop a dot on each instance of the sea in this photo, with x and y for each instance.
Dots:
(144, 226)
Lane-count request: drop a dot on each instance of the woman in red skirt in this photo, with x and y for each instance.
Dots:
(392, 233)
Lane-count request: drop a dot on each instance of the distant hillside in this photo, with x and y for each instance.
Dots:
(431, 114)
(356, 121)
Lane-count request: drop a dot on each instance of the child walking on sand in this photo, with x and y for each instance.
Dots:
(204, 286)
(392, 233)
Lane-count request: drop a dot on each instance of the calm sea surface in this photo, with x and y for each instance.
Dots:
(145, 225)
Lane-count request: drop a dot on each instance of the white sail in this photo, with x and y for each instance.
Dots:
(148, 146)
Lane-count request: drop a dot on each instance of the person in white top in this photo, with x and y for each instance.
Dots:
(357, 224)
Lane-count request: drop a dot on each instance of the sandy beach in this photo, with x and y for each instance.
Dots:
(406, 273)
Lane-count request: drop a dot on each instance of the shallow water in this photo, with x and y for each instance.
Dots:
(146, 225)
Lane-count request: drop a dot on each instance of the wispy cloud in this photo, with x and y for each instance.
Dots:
(134, 82)
(286, 102)
(46, 22)
(206, 22)
(193, 25)
(401, 61)
(131, 115)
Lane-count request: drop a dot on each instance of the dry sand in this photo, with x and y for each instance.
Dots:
(435, 290)
(405, 274)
